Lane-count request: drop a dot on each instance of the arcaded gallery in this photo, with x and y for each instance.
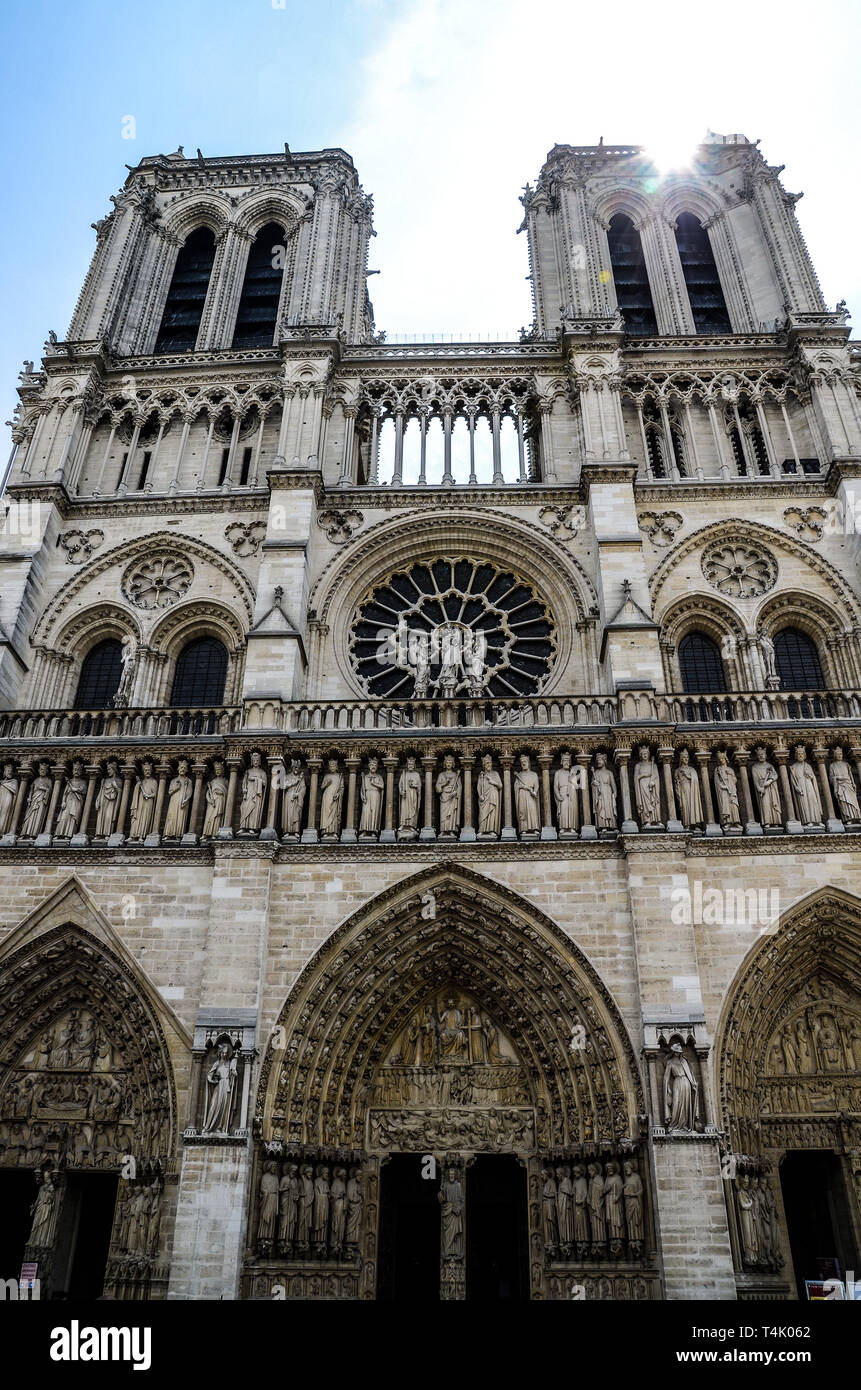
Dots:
(429, 816)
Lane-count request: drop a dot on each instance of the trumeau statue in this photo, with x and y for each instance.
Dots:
(764, 777)
(489, 791)
(220, 1082)
(409, 793)
(42, 1212)
(451, 1201)
(37, 804)
(371, 793)
(681, 1105)
(526, 798)
(647, 790)
(143, 804)
(253, 802)
(294, 798)
(332, 795)
(179, 797)
(687, 784)
(108, 801)
(803, 780)
(216, 801)
(8, 793)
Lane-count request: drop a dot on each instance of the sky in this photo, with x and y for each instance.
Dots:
(448, 107)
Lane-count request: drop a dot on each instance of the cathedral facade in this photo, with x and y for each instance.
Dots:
(429, 814)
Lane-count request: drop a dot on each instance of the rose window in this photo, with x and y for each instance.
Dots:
(158, 581)
(739, 571)
(452, 627)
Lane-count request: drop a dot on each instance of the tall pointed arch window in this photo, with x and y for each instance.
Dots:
(99, 680)
(183, 309)
(261, 289)
(201, 670)
(633, 292)
(708, 305)
(700, 664)
(797, 661)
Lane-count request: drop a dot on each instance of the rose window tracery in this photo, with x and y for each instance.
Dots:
(158, 581)
(739, 570)
(451, 627)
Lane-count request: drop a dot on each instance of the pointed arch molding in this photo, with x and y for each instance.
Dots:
(809, 968)
(66, 956)
(357, 994)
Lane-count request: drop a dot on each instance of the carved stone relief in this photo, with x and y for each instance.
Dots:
(157, 581)
(742, 570)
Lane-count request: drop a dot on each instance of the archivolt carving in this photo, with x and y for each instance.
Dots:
(549, 1021)
(191, 620)
(803, 610)
(128, 552)
(757, 533)
(701, 613)
(101, 620)
(789, 1041)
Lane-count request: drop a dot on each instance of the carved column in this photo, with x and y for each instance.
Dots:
(309, 834)
(128, 770)
(447, 478)
(276, 780)
(348, 833)
(428, 763)
(666, 756)
(587, 831)
(703, 757)
(781, 757)
(234, 764)
(164, 771)
(742, 759)
(58, 771)
(832, 820)
(93, 773)
(387, 834)
(191, 835)
(506, 759)
(548, 830)
(629, 825)
(25, 774)
(467, 832)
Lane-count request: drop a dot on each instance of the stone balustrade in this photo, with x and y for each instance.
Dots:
(484, 785)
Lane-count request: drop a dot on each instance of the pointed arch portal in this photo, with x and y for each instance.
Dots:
(446, 1019)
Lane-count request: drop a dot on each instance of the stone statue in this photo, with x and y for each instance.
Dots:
(603, 794)
(843, 786)
(72, 804)
(294, 799)
(769, 1223)
(37, 804)
(633, 1190)
(687, 785)
(42, 1212)
(420, 660)
(220, 1081)
(331, 799)
(565, 1205)
(320, 1211)
(526, 798)
(489, 790)
(764, 777)
(549, 1209)
(179, 796)
(803, 780)
(647, 790)
(596, 1205)
(726, 792)
(354, 1209)
(216, 800)
(108, 801)
(565, 796)
(451, 1201)
(474, 652)
(681, 1104)
(371, 793)
(769, 665)
(613, 1206)
(410, 795)
(8, 793)
(581, 1208)
(338, 1201)
(747, 1220)
(253, 801)
(268, 1218)
(448, 786)
(143, 804)
(127, 674)
(288, 1198)
(452, 1035)
(304, 1206)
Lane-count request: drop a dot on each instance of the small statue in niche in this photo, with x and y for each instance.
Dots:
(332, 796)
(294, 799)
(764, 777)
(647, 789)
(687, 785)
(220, 1081)
(726, 791)
(803, 780)
(37, 804)
(526, 798)
(72, 804)
(489, 791)
(143, 804)
(216, 801)
(451, 1201)
(179, 797)
(409, 792)
(843, 786)
(565, 796)
(681, 1091)
(371, 793)
(108, 801)
(253, 801)
(8, 795)
(448, 786)
(603, 795)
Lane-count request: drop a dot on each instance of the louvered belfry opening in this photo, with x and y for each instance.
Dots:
(183, 310)
(261, 290)
(633, 292)
(701, 277)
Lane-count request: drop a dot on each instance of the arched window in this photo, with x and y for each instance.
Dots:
(261, 290)
(797, 661)
(698, 267)
(201, 670)
(633, 293)
(185, 298)
(701, 665)
(100, 675)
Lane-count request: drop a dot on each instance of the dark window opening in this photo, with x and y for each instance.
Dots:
(183, 310)
(797, 661)
(100, 675)
(222, 472)
(144, 470)
(633, 292)
(738, 452)
(122, 472)
(261, 290)
(201, 670)
(246, 467)
(701, 277)
(700, 664)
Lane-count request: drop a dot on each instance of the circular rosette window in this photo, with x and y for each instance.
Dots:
(452, 627)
